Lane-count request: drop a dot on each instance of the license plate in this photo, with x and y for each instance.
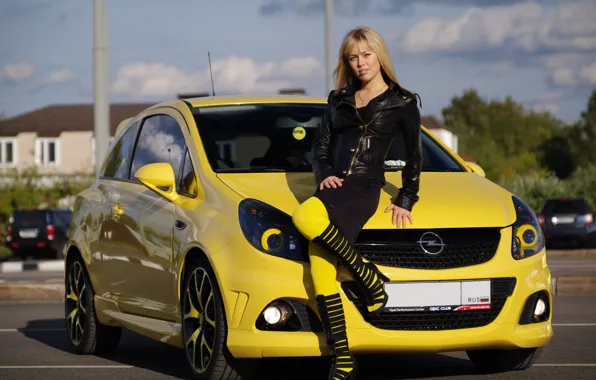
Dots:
(438, 296)
(27, 234)
(563, 220)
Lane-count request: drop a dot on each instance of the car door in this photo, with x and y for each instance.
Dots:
(151, 287)
(116, 240)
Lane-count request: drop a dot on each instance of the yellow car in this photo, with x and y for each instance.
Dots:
(186, 237)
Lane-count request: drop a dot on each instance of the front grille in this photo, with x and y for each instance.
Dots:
(402, 249)
(501, 289)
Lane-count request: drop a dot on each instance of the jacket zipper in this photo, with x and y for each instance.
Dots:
(361, 137)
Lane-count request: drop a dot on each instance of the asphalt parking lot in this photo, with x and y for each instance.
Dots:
(34, 346)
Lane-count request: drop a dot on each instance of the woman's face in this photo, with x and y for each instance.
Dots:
(364, 62)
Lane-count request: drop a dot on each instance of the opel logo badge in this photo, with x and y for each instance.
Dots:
(431, 243)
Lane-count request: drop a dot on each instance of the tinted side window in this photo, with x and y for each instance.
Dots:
(118, 163)
(61, 218)
(160, 140)
(188, 180)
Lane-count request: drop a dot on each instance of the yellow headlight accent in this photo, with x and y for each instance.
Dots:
(267, 234)
(532, 239)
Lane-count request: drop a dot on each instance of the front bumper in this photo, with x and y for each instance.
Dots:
(255, 280)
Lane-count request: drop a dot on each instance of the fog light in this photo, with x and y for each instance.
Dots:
(536, 309)
(540, 307)
(272, 315)
(277, 313)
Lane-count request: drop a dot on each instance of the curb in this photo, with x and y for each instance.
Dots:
(32, 266)
(562, 286)
(576, 254)
(31, 292)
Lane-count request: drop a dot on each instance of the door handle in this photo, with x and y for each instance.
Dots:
(180, 224)
(117, 211)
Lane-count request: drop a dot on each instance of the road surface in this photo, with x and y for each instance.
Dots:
(34, 346)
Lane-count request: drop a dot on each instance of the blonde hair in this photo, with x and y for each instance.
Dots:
(343, 72)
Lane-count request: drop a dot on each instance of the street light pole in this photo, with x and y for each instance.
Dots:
(328, 44)
(100, 82)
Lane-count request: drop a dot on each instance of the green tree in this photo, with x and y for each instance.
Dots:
(582, 135)
(504, 137)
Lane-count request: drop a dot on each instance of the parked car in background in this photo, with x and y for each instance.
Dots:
(568, 221)
(38, 232)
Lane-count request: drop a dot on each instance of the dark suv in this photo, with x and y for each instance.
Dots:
(569, 221)
(38, 232)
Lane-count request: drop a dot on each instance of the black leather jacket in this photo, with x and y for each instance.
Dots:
(345, 145)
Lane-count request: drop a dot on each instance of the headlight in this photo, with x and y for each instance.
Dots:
(528, 238)
(271, 231)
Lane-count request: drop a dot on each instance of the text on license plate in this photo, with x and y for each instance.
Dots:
(438, 296)
(26, 234)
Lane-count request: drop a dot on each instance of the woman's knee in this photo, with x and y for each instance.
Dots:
(311, 217)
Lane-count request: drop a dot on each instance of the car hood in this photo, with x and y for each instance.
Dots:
(447, 200)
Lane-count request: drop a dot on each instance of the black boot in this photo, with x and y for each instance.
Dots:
(367, 274)
(343, 364)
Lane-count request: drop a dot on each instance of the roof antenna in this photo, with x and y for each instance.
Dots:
(211, 72)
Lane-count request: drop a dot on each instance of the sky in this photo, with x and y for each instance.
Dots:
(540, 52)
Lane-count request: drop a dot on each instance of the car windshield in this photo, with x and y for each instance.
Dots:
(29, 219)
(278, 137)
(565, 206)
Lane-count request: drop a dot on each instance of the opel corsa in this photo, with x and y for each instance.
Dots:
(186, 237)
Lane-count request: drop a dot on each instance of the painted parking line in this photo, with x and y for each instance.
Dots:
(566, 365)
(31, 330)
(65, 366)
(129, 366)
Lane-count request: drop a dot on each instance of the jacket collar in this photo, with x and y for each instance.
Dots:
(396, 96)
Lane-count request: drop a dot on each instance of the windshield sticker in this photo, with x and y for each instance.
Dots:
(299, 133)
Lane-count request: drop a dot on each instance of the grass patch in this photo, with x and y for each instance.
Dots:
(4, 251)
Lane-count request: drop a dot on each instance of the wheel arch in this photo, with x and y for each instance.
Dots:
(72, 253)
(192, 255)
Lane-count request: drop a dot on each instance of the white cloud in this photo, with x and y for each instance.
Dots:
(476, 28)
(588, 73)
(583, 75)
(360, 7)
(64, 75)
(564, 76)
(16, 71)
(527, 27)
(547, 102)
(230, 75)
(561, 39)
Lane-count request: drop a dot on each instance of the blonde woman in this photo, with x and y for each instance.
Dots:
(364, 114)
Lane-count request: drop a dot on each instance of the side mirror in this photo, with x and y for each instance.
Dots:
(156, 175)
(476, 168)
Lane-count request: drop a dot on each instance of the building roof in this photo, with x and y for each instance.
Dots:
(51, 120)
(431, 122)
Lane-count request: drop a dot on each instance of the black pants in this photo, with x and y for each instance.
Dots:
(351, 205)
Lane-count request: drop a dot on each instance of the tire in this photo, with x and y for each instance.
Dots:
(85, 334)
(493, 361)
(209, 315)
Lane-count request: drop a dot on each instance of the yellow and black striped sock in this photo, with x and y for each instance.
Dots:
(343, 365)
(366, 273)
